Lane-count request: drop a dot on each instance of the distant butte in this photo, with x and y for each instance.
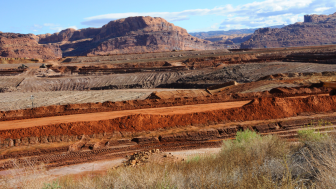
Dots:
(130, 35)
(315, 30)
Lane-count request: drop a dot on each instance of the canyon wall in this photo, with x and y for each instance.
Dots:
(315, 30)
(14, 45)
(129, 35)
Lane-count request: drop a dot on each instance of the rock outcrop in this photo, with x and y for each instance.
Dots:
(69, 34)
(315, 30)
(14, 45)
(234, 39)
(130, 35)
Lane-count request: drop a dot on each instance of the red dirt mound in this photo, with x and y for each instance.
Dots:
(178, 94)
(299, 90)
(258, 109)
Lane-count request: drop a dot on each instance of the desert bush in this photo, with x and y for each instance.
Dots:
(250, 161)
(316, 161)
(309, 135)
(246, 136)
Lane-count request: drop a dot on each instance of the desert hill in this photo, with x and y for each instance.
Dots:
(230, 39)
(129, 35)
(26, 46)
(210, 34)
(315, 30)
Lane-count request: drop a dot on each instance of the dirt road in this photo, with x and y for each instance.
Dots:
(110, 115)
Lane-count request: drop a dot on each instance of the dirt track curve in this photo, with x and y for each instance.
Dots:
(4, 125)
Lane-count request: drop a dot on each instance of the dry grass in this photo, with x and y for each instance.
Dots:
(250, 161)
(243, 164)
(30, 176)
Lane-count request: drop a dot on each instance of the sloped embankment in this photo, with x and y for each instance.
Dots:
(258, 109)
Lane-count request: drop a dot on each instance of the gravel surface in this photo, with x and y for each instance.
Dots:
(19, 100)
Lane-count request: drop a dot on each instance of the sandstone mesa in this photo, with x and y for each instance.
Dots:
(129, 35)
(315, 30)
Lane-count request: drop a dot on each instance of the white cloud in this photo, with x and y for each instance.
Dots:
(274, 12)
(36, 28)
(256, 14)
(104, 19)
(214, 26)
(258, 22)
(54, 27)
(73, 27)
(322, 9)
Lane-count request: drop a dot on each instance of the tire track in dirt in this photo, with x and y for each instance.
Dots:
(70, 158)
(152, 119)
(5, 125)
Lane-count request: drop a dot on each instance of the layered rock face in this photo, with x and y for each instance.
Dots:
(68, 35)
(26, 46)
(315, 30)
(236, 38)
(129, 35)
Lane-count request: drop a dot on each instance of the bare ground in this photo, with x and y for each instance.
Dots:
(22, 100)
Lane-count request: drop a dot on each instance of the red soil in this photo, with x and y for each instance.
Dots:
(61, 110)
(5, 125)
(258, 109)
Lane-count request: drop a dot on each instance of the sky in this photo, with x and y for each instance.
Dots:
(44, 16)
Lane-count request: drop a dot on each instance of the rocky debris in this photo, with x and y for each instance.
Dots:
(14, 45)
(78, 145)
(101, 144)
(129, 35)
(145, 140)
(204, 134)
(154, 156)
(319, 18)
(139, 157)
(315, 30)
(23, 67)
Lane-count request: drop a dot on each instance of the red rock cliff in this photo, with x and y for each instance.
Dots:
(316, 30)
(68, 35)
(25, 45)
(129, 35)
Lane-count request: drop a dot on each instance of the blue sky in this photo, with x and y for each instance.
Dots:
(39, 17)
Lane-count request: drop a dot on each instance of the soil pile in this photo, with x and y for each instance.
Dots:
(258, 109)
(178, 94)
(299, 90)
(166, 99)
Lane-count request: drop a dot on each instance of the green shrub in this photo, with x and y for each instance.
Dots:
(53, 185)
(193, 159)
(246, 136)
(309, 135)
